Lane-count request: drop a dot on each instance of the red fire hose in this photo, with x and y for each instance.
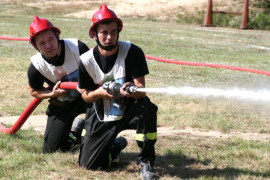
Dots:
(31, 107)
(14, 38)
(207, 65)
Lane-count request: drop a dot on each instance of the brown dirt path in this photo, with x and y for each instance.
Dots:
(153, 9)
(38, 123)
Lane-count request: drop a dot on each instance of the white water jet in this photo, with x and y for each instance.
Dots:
(260, 95)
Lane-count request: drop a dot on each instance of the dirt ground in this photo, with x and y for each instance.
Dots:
(38, 123)
(156, 9)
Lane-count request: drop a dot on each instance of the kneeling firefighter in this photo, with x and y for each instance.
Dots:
(120, 62)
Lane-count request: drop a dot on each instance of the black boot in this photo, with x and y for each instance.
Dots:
(78, 125)
(77, 128)
(147, 171)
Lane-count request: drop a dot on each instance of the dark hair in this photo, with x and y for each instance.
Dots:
(34, 42)
(106, 22)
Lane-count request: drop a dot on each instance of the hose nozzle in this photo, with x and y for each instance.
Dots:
(131, 89)
(113, 88)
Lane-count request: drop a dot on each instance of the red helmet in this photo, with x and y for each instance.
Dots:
(41, 24)
(101, 15)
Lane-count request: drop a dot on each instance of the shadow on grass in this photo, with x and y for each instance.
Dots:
(186, 168)
(175, 165)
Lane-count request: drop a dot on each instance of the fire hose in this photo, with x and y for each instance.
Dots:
(111, 87)
(208, 65)
(14, 38)
(31, 107)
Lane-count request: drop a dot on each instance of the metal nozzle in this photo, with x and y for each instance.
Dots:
(112, 87)
(131, 89)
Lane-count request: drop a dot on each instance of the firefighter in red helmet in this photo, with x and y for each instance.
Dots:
(121, 62)
(41, 24)
(104, 15)
(57, 61)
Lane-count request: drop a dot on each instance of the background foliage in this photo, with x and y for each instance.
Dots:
(259, 17)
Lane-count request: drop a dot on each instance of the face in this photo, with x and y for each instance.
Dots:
(107, 33)
(47, 43)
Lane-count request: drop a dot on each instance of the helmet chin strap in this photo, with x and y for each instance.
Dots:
(106, 48)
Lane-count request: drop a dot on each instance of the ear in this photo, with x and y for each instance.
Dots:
(93, 35)
(57, 35)
(34, 44)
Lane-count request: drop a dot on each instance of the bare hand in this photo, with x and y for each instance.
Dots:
(102, 93)
(56, 91)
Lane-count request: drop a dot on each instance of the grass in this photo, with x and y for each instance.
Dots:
(178, 157)
(182, 157)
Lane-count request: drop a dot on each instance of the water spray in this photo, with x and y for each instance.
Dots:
(261, 95)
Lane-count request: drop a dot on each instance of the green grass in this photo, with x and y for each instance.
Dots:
(182, 156)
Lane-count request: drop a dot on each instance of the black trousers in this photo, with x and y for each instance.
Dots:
(96, 146)
(59, 124)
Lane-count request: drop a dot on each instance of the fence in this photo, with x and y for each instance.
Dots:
(208, 20)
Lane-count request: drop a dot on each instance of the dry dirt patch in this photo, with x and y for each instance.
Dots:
(38, 123)
(159, 9)
(156, 9)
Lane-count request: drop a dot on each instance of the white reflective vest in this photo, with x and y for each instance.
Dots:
(55, 73)
(114, 108)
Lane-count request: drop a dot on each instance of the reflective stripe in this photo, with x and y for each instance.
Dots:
(83, 132)
(110, 160)
(150, 136)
